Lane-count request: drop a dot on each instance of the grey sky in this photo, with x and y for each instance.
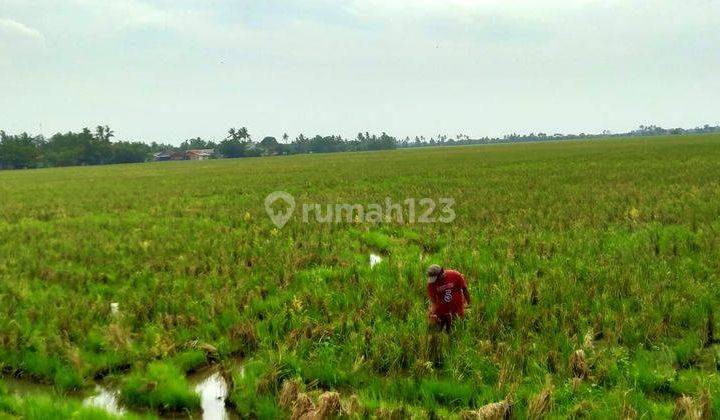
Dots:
(167, 70)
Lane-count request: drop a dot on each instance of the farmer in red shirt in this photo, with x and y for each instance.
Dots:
(448, 294)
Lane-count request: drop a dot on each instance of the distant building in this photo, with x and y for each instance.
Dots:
(196, 154)
(169, 155)
(200, 154)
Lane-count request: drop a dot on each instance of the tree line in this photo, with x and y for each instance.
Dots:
(238, 143)
(95, 147)
(462, 139)
(69, 149)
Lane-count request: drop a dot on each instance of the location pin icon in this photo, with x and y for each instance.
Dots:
(279, 218)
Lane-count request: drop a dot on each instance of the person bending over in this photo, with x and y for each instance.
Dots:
(448, 295)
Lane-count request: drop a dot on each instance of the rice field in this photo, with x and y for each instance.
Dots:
(594, 269)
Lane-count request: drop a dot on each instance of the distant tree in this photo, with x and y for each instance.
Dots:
(237, 144)
(284, 149)
(75, 149)
(269, 146)
(159, 147)
(197, 143)
(125, 152)
(20, 151)
(103, 133)
(238, 134)
(325, 144)
(232, 148)
(301, 144)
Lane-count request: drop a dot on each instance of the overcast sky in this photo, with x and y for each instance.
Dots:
(167, 70)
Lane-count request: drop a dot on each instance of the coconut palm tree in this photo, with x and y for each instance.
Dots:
(104, 133)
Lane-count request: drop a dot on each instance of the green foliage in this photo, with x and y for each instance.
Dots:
(686, 350)
(162, 387)
(255, 389)
(377, 240)
(20, 151)
(189, 360)
(42, 407)
(607, 246)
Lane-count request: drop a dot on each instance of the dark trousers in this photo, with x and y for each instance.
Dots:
(443, 322)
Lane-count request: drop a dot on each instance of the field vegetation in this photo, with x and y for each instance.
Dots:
(593, 266)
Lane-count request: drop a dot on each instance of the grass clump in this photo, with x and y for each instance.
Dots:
(686, 351)
(161, 386)
(52, 407)
(190, 360)
(47, 408)
(254, 390)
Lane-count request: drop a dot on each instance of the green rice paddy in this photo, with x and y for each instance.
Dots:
(611, 247)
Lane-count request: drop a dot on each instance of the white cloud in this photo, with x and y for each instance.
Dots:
(174, 19)
(407, 66)
(130, 13)
(467, 8)
(11, 29)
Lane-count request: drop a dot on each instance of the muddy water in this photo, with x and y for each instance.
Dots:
(25, 387)
(213, 391)
(105, 398)
(207, 383)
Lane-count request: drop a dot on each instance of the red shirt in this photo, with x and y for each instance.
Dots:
(446, 294)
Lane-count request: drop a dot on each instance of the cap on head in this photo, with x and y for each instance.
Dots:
(433, 272)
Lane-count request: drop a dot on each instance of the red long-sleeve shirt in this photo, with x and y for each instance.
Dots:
(446, 294)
